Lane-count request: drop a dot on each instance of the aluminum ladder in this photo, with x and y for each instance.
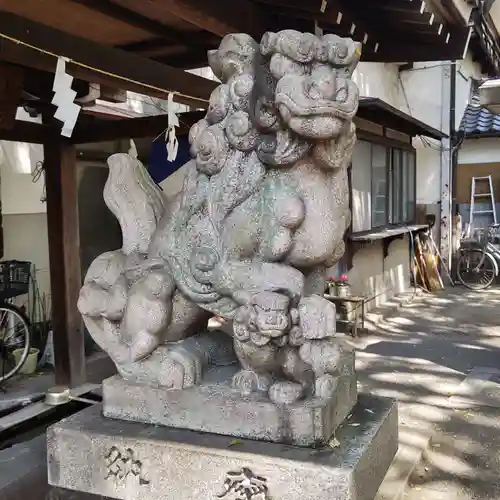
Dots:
(487, 196)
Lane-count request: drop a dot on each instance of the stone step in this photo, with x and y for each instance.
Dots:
(410, 452)
(376, 316)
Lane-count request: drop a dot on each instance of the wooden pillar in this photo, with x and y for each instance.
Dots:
(11, 89)
(64, 255)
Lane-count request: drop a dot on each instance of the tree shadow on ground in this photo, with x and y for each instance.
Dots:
(420, 357)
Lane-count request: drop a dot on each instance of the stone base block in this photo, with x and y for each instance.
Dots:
(214, 406)
(132, 461)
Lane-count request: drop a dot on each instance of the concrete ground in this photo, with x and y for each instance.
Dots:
(98, 367)
(440, 357)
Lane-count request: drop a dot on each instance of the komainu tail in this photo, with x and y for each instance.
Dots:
(135, 200)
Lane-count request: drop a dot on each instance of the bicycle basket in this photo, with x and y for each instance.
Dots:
(14, 278)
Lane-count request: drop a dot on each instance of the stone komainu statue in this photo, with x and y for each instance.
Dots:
(261, 215)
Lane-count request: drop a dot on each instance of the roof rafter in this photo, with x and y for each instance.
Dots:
(329, 15)
(220, 17)
(154, 27)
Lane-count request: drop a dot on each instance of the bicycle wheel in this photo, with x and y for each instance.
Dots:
(476, 269)
(14, 336)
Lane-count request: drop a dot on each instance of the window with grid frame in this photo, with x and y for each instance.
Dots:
(393, 186)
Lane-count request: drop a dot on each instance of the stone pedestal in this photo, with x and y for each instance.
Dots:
(214, 406)
(133, 461)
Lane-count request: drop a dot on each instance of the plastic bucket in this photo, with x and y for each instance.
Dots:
(31, 362)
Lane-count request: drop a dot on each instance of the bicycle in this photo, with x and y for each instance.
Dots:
(479, 259)
(15, 327)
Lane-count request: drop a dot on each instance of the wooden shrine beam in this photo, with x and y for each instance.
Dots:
(185, 60)
(418, 51)
(114, 62)
(64, 256)
(330, 15)
(134, 128)
(219, 17)
(365, 29)
(315, 10)
(154, 27)
(33, 133)
(410, 17)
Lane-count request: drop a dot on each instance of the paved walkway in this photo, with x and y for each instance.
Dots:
(440, 357)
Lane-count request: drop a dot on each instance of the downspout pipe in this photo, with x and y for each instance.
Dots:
(453, 158)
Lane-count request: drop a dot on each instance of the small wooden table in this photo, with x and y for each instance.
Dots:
(355, 304)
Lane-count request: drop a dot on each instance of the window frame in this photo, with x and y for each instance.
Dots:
(391, 146)
(397, 210)
(407, 162)
(387, 188)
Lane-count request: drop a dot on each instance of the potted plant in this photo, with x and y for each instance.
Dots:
(332, 285)
(343, 289)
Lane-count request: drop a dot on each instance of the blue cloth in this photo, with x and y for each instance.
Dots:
(159, 167)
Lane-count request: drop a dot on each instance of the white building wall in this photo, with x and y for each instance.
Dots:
(20, 194)
(480, 151)
(464, 7)
(424, 99)
(495, 14)
(367, 274)
(396, 269)
(428, 174)
(422, 87)
(380, 80)
(18, 160)
(26, 238)
(378, 278)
